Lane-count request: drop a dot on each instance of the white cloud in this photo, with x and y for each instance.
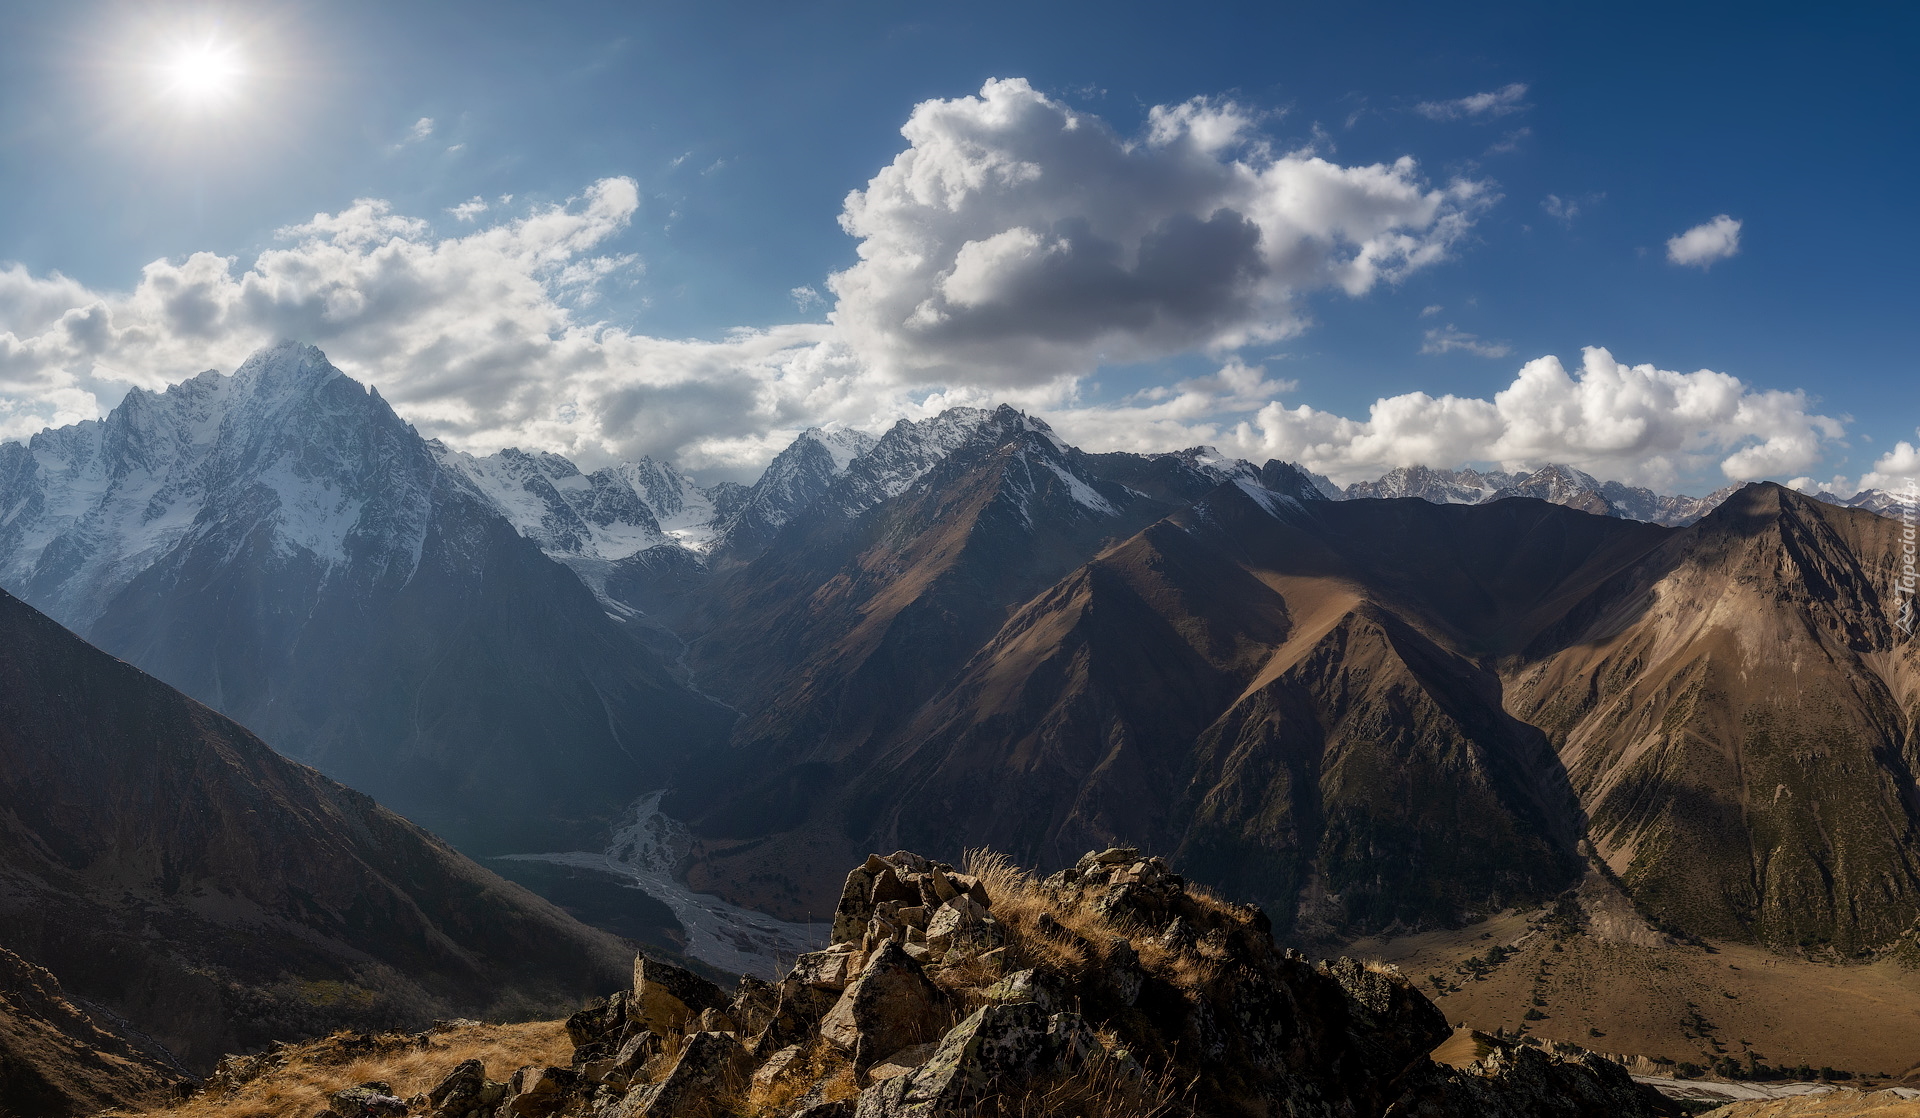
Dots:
(1636, 423)
(1430, 310)
(1446, 339)
(806, 298)
(1895, 470)
(1017, 241)
(1012, 247)
(421, 129)
(1703, 244)
(1500, 102)
(469, 209)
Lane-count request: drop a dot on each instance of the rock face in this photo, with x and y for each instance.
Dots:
(167, 865)
(1197, 1013)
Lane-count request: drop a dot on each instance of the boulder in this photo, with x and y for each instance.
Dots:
(710, 1066)
(366, 1101)
(962, 927)
(826, 970)
(997, 1048)
(901, 1062)
(616, 1067)
(1040, 987)
(668, 999)
(464, 1090)
(778, 1065)
(597, 1020)
(537, 1092)
(890, 1005)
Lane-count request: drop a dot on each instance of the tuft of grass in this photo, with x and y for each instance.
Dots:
(1019, 902)
(314, 1070)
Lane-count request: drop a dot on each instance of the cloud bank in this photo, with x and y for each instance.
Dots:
(1634, 423)
(1011, 248)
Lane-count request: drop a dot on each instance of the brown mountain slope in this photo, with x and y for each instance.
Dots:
(1286, 693)
(1739, 720)
(1390, 714)
(830, 640)
(165, 863)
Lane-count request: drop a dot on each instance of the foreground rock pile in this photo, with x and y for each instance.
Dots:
(1111, 988)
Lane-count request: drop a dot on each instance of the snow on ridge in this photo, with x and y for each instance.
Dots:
(844, 444)
(1083, 494)
(1277, 505)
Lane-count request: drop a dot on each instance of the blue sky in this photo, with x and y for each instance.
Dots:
(1601, 133)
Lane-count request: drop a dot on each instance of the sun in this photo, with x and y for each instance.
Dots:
(201, 75)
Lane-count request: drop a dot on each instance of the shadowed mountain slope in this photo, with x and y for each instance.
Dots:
(164, 863)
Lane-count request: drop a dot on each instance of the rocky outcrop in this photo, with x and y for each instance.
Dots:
(1527, 1079)
(1108, 989)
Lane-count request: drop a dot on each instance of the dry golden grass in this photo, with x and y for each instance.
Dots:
(1019, 902)
(1108, 1089)
(314, 1070)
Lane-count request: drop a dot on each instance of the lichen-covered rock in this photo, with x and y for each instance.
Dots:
(962, 927)
(887, 1007)
(997, 1047)
(666, 998)
(368, 1100)
(709, 1066)
(1030, 985)
(826, 970)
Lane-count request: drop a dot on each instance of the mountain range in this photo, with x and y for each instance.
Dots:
(1397, 705)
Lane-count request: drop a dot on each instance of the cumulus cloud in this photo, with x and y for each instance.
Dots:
(1896, 471)
(1703, 244)
(1500, 102)
(469, 209)
(421, 129)
(1446, 339)
(1635, 423)
(1016, 241)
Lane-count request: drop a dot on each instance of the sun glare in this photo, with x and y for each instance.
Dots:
(201, 75)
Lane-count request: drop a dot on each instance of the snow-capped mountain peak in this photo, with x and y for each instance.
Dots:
(295, 455)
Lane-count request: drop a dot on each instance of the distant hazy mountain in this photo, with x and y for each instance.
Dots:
(281, 546)
(165, 864)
